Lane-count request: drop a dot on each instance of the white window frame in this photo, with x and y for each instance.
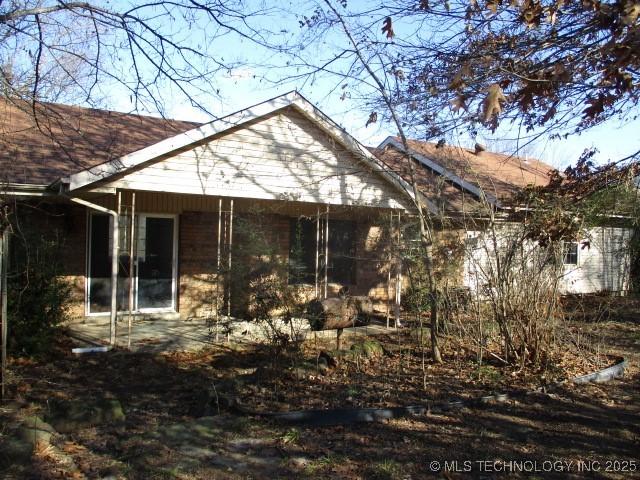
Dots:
(174, 269)
(577, 243)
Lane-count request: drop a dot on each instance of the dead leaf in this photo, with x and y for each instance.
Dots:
(459, 103)
(492, 105)
(492, 6)
(631, 13)
(387, 28)
(373, 118)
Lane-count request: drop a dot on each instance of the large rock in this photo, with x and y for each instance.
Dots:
(68, 416)
(35, 432)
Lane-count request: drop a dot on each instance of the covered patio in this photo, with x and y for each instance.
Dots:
(167, 335)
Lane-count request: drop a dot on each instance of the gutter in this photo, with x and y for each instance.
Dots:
(114, 264)
(26, 190)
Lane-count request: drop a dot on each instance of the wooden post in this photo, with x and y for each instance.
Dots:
(326, 253)
(317, 252)
(229, 267)
(132, 240)
(115, 251)
(218, 270)
(398, 277)
(4, 260)
(389, 265)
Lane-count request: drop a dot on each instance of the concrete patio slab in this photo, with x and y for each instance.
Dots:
(162, 335)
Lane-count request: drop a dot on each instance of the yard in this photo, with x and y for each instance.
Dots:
(194, 415)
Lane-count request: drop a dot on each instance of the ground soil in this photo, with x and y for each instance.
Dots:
(192, 415)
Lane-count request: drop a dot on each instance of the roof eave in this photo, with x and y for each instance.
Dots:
(440, 170)
(292, 99)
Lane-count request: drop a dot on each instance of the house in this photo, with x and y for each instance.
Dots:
(152, 214)
(150, 208)
(461, 183)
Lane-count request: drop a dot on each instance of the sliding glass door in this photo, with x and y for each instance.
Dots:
(154, 273)
(155, 263)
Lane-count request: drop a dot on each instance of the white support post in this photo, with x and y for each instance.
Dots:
(115, 252)
(230, 247)
(218, 270)
(398, 278)
(132, 262)
(390, 261)
(317, 253)
(326, 253)
(114, 262)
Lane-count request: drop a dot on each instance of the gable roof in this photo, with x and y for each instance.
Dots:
(83, 148)
(201, 133)
(53, 141)
(450, 172)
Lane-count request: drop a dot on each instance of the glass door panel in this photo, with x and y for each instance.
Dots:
(99, 264)
(155, 255)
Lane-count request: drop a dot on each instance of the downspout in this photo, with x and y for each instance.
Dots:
(114, 263)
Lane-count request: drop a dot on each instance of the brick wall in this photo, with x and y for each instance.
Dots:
(74, 254)
(66, 225)
(197, 256)
(197, 252)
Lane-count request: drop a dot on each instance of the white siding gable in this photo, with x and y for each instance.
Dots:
(282, 156)
(602, 267)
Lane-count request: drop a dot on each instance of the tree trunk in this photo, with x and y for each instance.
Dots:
(435, 349)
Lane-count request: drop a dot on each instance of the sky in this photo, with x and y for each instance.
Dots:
(244, 85)
(240, 90)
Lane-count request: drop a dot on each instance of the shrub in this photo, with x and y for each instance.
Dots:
(37, 297)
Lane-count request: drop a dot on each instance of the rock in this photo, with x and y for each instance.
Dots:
(68, 416)
(368, 349)
(299, 462)
(35, 432)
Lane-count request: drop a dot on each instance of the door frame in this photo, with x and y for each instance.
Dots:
(174, 268)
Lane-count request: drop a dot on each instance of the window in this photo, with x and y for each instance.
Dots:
(341, 267)
(570, 253)
(302, 251)
(342, 252)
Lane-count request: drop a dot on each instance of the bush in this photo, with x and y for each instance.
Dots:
(37, 297)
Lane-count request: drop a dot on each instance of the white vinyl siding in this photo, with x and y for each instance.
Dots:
(603, 266)
(279, 157)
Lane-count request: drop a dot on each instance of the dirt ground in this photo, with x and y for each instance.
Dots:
(191, 415)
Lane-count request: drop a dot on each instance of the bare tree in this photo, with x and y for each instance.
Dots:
(87, 51)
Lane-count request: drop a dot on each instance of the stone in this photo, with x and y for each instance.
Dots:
(368, 349)
(69, 416)
(35, 431)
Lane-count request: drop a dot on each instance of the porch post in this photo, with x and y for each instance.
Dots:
(132, 252)
(398, 277)
(4, 258)
(115, 251)
(114, 263)
(317, 252)
(218, 270)
(326, 254)
(390, 262)
(230, 247)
